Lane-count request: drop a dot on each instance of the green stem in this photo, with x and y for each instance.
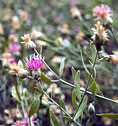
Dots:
(71, 85)
(59, 106)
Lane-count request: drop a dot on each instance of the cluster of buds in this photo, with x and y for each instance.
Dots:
(18, 70)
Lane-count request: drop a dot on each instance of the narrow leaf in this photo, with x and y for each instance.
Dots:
(34, 107)
(54, 119)
(62, 104)
(77, 84)
(73, 73)
(109, 115)
(74, 99)
(14, 93)
(67, 118)
(81, 108)
(44, 78)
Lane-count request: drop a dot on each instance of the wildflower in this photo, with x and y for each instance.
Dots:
(25, 122)
(69, 108)
(64, 29)
(100, 32)
(14, 48)
(73, 3)
(114, 57)
(36, 34)
(91, 108)
(80, 36)
(7, 59)
(45, 100)
(75, 12)
(18, 123)
(53, 89)
(15, 22)
(17, 69)
(41, 43)
(23, 15)
(27, 40)
(12, 37)
(34, 63)
(103, 12)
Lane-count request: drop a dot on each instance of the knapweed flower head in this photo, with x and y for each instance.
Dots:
(34, 62)
(27, 41)
(100, 32)
(103, 12)
(17, 69)
(14, 48)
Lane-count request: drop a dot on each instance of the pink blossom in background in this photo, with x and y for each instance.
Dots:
(18, 123)
(14, 48)
(76, 28)
(11, 59)
(39, 13)
(49, 30)
(25, 122)
(34, 63)
(102, 12)
(73, 3)
(58, 20)
(47, 8)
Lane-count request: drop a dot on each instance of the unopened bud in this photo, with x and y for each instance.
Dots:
(23, 73)
(91, 109)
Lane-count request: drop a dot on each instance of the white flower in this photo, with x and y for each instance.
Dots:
(99, 31)
(27, 41)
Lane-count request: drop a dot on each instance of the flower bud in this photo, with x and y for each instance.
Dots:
(91, 109)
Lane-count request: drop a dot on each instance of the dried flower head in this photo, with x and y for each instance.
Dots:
(103, 12)
(27, 41)
(100, 32)
(34, 63)
(17, 69)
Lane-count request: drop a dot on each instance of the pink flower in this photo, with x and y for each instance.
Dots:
(14, 48)
(26, 121)
(47, 8)
(103, 12)
(34, 63)
(73, 3)
(11, 59)
(18, 123)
